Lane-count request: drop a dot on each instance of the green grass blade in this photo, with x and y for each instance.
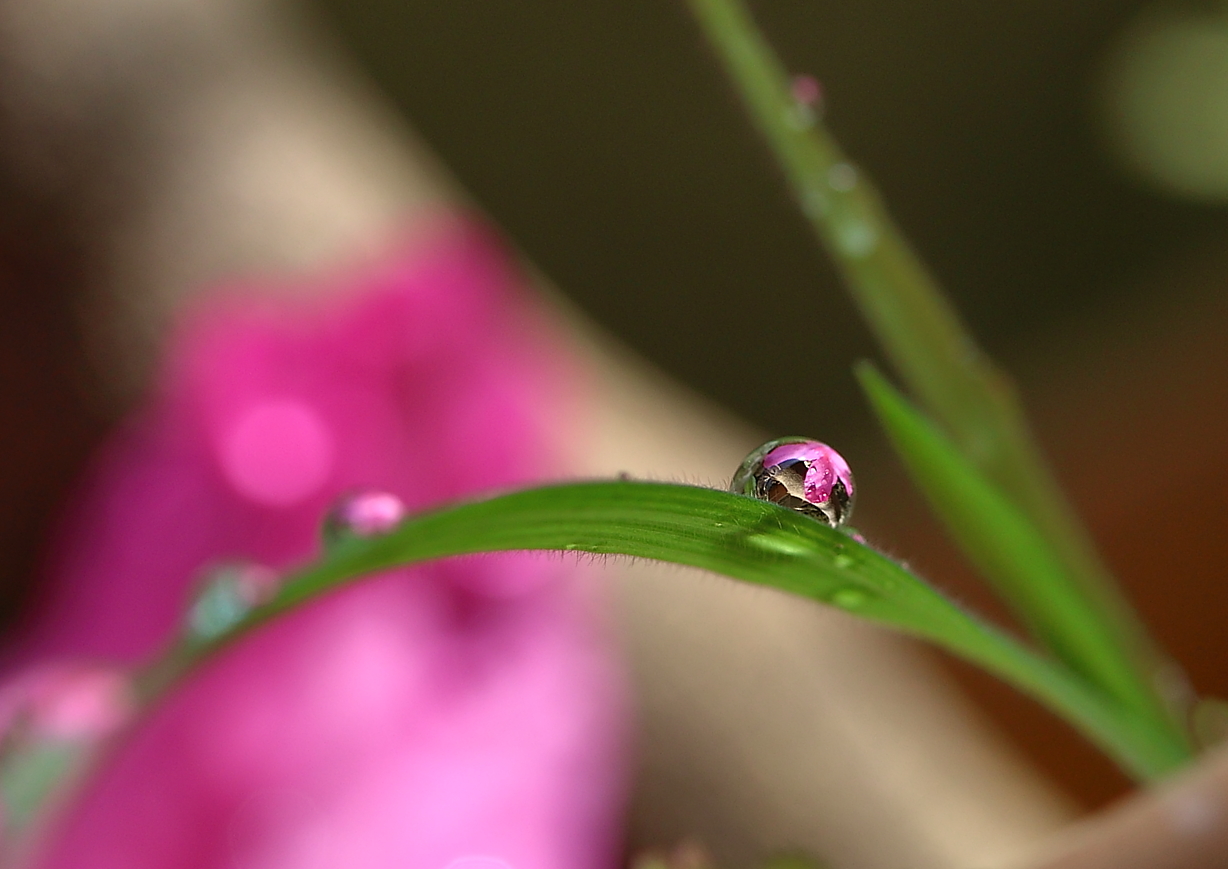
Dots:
(920, 332)
(917, 327)
(736, 536)
(1013, 554)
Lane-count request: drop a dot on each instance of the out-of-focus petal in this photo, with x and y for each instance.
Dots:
(464, 710)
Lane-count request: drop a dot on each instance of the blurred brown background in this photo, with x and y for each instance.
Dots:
(603, 139)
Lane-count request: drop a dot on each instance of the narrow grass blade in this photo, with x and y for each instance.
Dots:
(973, 402)
(735, 536)
(1013, 554)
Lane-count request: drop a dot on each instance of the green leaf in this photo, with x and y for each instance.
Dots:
(729, 534)
(1013, 554)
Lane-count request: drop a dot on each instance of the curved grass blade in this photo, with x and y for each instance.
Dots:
(728, 534)
(1014, 555)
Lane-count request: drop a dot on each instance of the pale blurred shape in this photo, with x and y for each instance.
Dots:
(1165, 102)
(278, 452)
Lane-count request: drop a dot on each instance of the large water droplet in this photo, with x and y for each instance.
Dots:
(799, 473)
(367, 513)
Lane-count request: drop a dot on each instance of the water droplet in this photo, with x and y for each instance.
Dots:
(814, 203)
(779, 544)
(363, 514)
(799, 116)
(228, 592)
(802, 474)
(842, 561)
(842, 177)
(66, 700)
(806, 89)
(572, 547)
(856, 238)
(849, 598)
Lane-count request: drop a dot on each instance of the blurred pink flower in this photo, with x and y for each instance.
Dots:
(466, 712)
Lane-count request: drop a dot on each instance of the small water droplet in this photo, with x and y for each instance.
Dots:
(806, 89)
(66, 700)
(799, 116)
(228, 592)
(779, 544)
(843, 562)
(856, 238)
(368, 513)
(842, 177)
(849, 598)
(814, 203)
(804, 475)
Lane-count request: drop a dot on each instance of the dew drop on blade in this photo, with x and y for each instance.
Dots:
(849, 598)
(778, 544)
(368, 513)
(856, 238)
(806, 89)
(842, 177)
(799, 473)
(227, 593)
